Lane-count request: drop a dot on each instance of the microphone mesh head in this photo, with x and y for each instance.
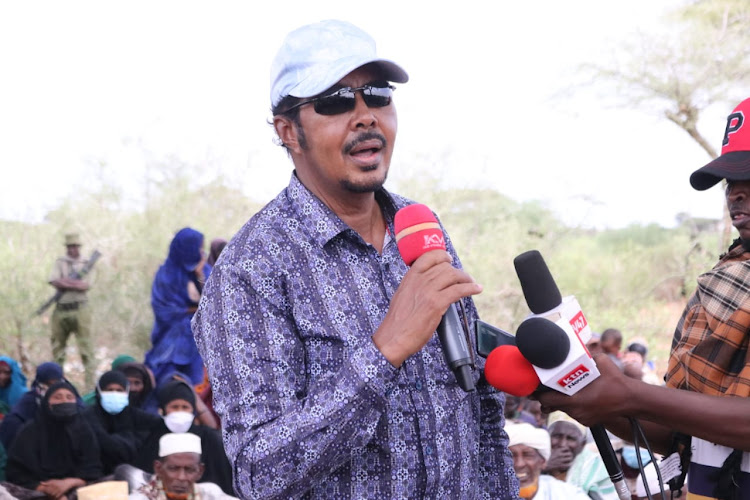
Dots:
(542, 342)
(417, 232)
(538, 285)
(508, 371)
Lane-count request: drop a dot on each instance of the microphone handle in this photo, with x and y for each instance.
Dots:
(457, 354)
(611, 462)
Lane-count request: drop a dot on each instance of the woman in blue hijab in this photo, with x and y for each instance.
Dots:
(174, 297)
(12, 382)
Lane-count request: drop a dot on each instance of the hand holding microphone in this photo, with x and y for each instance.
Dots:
(551, 342)
(604, 400)
(424, 299)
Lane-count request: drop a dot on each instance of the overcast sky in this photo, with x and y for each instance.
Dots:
(127, 83)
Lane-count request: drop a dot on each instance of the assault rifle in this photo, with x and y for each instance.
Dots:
(76, 275)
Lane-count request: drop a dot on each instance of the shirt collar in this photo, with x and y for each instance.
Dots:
(326, 224)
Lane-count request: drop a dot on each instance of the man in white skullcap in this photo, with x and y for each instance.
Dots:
(177, 471)
(530, 447)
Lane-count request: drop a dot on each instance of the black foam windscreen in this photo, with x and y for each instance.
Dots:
(538, 285)
(542, 343)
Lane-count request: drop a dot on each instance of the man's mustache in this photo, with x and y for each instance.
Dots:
(366, 136)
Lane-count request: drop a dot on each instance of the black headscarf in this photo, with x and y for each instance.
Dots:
(119, 435)
(218, 470)
(138, 370)
(175, 389)
(52, 448)
(27, 407)
(113, 377)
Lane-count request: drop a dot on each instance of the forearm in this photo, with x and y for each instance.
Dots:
(57, 488)
(613, 397)
(659, 436)
(719, 419)
(74, 482)
(70, 284)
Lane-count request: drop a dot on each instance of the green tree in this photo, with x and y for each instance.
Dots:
(700, 58)
(636, 278)
(133, 243)
(26, 270)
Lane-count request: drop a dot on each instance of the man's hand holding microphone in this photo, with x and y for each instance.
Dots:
(425, 299)
(604, 400)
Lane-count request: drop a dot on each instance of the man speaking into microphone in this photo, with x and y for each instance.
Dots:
(319, 339)
(704, 406)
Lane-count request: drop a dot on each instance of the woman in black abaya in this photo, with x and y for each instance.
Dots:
(57, 452)
(120, 429)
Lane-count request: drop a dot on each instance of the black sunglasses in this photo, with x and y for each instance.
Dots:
(343, 100)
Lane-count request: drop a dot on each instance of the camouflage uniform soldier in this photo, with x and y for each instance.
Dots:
(72, 314)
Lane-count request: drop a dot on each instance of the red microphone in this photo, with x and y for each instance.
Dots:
(418, 232)
(554, 346)
(508, 371)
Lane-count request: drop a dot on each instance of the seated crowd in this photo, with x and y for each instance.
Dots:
(554, 455)
(161, 437)
(131, 428)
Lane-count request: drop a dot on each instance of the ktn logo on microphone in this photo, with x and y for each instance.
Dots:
(574, 377)
(435, 240)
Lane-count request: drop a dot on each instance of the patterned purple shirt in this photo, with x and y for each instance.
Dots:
(310, 408)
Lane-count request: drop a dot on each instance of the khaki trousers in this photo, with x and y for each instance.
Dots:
(77, 321)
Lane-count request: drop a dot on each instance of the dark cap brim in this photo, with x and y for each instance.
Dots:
(734, 166)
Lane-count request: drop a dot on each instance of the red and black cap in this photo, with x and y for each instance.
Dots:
(734, 162)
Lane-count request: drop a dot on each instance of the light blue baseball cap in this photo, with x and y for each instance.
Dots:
(316, 56)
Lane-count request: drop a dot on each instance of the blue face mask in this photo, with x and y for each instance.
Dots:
(114, 402)
(631, 459)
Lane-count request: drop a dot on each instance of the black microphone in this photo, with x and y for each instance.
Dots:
(457, 352)
(417, 232)
(544, 298)
(543, 343)
(548, 346)
(539, 288)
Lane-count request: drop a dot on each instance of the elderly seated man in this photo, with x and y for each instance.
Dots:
(177, 471)
(575, 462)
(530, 447)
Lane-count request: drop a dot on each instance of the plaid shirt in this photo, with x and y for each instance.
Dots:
(710, 345)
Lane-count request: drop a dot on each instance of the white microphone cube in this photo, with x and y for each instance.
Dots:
(576, 372)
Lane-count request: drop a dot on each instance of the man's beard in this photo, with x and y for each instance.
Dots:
(369, 187)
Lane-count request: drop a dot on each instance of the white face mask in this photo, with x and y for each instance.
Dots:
(179, 421)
